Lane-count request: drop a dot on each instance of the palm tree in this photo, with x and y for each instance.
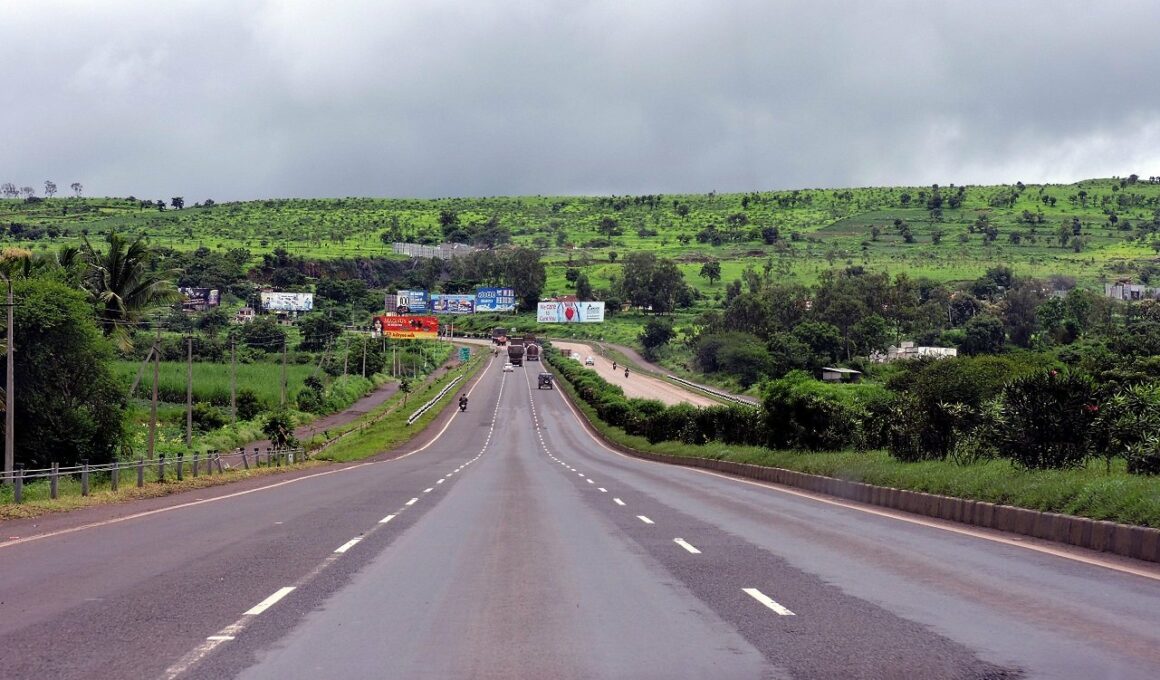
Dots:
(122, 285)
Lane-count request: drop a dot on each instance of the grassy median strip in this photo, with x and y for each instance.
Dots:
(1090, 491)
(386, 433)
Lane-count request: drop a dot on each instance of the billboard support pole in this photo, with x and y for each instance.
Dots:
(283, 372)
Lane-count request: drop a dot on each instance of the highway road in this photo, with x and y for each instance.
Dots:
(508, 543)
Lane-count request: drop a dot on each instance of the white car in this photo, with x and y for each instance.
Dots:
(589, 362)
(508, 368)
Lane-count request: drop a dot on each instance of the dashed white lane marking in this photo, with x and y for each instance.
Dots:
(441, 481)
(603, 490)
(644, 519)
(767, 601)
(686, 545)
(618, 501)
(348, 545)
(220, 638)
(386, 519)
(591, 482)
(412, 501)
(580, 473)
(429, 489)
(269, 601)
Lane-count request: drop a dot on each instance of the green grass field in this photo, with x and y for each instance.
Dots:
(211, 381)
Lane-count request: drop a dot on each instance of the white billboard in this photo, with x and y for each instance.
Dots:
(570, 312)
(273, 301)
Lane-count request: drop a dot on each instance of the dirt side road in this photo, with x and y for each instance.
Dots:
(637, 385)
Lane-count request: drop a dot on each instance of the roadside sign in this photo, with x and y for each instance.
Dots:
(464, 353)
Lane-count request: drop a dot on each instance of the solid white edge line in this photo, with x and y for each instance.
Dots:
(386, 519)
(972, 532)
(644, 519)
(765, 600)
(686, 545)
(269, 601)
(347, 546)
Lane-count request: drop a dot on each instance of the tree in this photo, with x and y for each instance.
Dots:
(263, 333)
(609, 227)
(525, 274)
(28, 192)
(9, 190)
(983, 334)
(612, 256)
(122, 284)
(77, 188)
(712, 271)
(69, 406)
(652, 282)
(49, 188)
(656, 334)
(583, 287)
(318, 331)
(177, 202)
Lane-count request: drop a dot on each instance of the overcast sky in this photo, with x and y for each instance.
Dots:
(242, 99)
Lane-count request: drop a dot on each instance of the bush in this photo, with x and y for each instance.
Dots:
(1130, 425)
(804, 413)
(208, 417)
(279, 428)
(247, 403)
(1047, 420)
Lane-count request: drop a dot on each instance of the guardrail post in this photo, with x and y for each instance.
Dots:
(85, 477)
(245, 461)
(161, 467)
(18, 484)
(115, 475)
(195, 464)
(217, 459)
(277, 458)
(54, 481)
(140, 472)
(181, 465)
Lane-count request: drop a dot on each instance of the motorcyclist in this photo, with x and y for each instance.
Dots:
(614, 365)
(626, 371)
(463, 402)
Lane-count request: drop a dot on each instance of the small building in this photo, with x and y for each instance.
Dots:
(830, 374)
(907, 350)
(1126, 290)
(244, 315)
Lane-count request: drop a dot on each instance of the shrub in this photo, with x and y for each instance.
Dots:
(247, 403)
(279, 428)
(208, 417)
(1130, 425)
(1047, 420)
(804, 413)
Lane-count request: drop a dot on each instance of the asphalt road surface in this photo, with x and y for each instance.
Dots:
(513, 545)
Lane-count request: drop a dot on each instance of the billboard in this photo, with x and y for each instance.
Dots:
(570, 312)
(405, 327)
(452, 304)
(273, 301)
(411, 302)
(495, 300)
(200, 298)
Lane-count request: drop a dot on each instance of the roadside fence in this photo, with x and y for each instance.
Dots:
(426, 407)
(716, 393)
(141, 471)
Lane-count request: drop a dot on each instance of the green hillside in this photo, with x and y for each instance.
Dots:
(1089, 230)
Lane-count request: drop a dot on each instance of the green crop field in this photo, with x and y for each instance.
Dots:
(211, 381)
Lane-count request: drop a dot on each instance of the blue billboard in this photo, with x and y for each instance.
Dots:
(495, 300)
(411, 302)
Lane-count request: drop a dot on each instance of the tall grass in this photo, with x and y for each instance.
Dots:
(211, 381)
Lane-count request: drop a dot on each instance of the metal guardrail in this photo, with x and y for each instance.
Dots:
(426, 407)
(158, 469)
(716, 393)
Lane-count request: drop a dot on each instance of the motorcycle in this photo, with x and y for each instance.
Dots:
(626, 372)
(462, 405)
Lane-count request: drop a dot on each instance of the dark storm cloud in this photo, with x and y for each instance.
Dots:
(235, 100)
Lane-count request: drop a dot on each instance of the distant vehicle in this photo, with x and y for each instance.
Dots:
(508, 368)
(499, 336)
(545, 380)
(590, 361)
(515, 351)
(531, 349)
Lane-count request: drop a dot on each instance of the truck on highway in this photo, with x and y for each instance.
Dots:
(515, 351)
(531, 348)
(499, 336)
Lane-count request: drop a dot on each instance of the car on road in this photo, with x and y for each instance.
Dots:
(508, 368)
(590, 361)
(545, 380)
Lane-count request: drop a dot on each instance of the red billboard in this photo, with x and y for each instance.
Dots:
(406, 327)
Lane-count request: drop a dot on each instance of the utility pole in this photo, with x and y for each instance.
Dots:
(233, 382)
(153, 403)
(10, 392)
(364, 371)
(283, 372)
(189, 392)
